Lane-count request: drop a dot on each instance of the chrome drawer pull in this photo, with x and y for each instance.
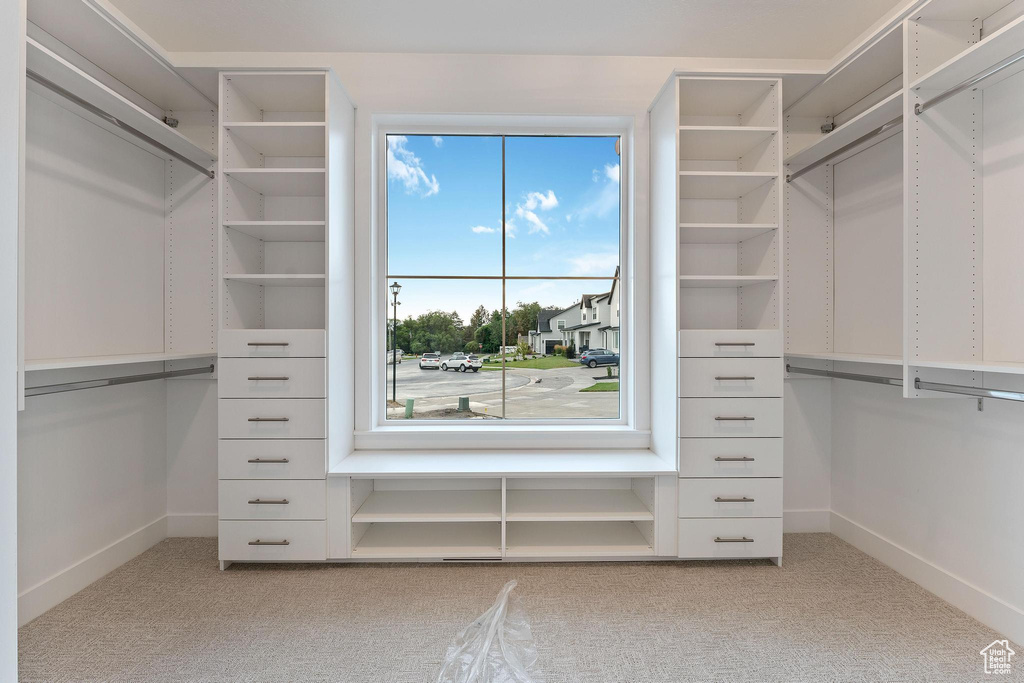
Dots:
(284, 419)
(258, 501)
(735, 344)
(275, 461)
(719, 458)
(742, 499)
(259, 542)
(268, 379)
(723, 379)
(734, 419)
(268, 343)
(741, 539)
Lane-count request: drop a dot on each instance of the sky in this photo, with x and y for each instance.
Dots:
(445, 211)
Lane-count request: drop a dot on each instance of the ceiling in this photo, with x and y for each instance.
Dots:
(809, 29)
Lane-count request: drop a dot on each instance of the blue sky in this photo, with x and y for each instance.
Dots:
(444, 218)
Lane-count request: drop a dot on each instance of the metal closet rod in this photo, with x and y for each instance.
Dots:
(976, 392)
(110, 118)
(112, 381)
(922, 107)
(889, 125)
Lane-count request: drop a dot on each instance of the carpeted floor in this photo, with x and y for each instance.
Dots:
(830, 613)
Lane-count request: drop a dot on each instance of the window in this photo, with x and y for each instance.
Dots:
(488, 237)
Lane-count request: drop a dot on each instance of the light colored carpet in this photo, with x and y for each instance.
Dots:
(830, 613)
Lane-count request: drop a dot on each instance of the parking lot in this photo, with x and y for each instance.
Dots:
(530, 393)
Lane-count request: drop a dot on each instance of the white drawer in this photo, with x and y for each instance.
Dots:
(272, 499)
(272, 344)
(730, 497)
(273, 541)
(730, 457)
(726, 538)
(272, 459)
(272, 378)
(272, 418)
(733, 417)
(735, 377)
(730, 344)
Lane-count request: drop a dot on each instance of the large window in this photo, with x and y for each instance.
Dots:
(503, 274)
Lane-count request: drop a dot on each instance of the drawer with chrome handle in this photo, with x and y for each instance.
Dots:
(730, 377)
(272, 541)
(272, 344)
(730, 417)
(272, 499)
(271, 459)
(730, 344)
(732, 497)
(730, 457)
(272, 418)
(272, 378)
(729, 538)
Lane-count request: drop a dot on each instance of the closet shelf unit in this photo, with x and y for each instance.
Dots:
(575, 539)
(429, 540)
(430, 506)
(281, 231)
(875, 359)
(104, 361)
(281, 182)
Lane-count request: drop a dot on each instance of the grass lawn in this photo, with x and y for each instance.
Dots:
(602, 386)
(546, 363)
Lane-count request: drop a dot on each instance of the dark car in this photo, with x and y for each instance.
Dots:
(594, 357)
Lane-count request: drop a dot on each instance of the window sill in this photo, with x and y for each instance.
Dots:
(501, 438)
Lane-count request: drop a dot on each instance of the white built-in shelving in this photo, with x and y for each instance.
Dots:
(104, 361)
(575, 539)
(721, 184)
(280, 231)
(431, 506)
(281, 182)
(579, 505)
(876, 359)
(722, 233)
(715, 281)
(429, 540)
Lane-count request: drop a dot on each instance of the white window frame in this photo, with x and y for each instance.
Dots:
(630, 431)
(560, 325)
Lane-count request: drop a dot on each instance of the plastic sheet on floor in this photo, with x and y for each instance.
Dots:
(497, 647)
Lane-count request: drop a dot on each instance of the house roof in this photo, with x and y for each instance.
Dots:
(580, 327)
(588, 299)
(544, 319)
(607, 327)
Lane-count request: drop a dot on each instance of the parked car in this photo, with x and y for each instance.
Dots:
(594, 357)
(393, 357)
(430, 361)
(462, 362)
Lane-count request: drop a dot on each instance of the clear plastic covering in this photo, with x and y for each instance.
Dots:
(497, 647)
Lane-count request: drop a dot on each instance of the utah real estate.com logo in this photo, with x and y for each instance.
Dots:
(997, 657)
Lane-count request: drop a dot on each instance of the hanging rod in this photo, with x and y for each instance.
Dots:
(922, 107)
(112, 381)
(873, 379)
(110, 118)
(889, 125)
(976, 392)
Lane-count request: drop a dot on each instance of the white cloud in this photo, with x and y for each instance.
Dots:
(483, 230)
(529, 206)
(594, 264)
(545, 202)
(612, 172)
(438, 140)
(607, 200)
(534, 221)
(407, 168)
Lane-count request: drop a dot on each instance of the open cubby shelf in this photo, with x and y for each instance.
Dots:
(575, 539)
(430, 506)
(281, 231)
(281, 139)
(429, 540)
(579, 505)
(281, 182)
(722, 233)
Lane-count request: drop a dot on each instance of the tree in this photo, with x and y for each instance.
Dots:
(472, 346)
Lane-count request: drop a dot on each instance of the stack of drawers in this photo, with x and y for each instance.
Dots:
(730, 447)
(272, 449)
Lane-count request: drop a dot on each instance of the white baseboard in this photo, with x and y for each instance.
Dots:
(986, 608)
(48, 593)
(805, 521)
(198, 525)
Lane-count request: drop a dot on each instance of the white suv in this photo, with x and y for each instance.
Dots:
(430, 360)
(462, 362)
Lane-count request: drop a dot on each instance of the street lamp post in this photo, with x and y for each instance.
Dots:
(395, 289)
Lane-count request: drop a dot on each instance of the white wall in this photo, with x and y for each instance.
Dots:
(12, 28)
(191, 457)
(807, 466)
(933, 487)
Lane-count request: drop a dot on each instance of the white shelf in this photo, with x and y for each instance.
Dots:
(101, 361)
(849, 357)
(281, 182)
(54, 68)
(109, 40)
(430, 506)
(281, 231)
(722, 233)
(867, 72)
(403, 464)
(720, 142)
(282, 91)
(429, 540)
(721, 97)
(721, 184)
(574, 539)
(980, 56)
(574, 505)
(960, 10)
(705, 281)
(883, 112)
(288, 139)
(279, 280)
(1003, 367)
